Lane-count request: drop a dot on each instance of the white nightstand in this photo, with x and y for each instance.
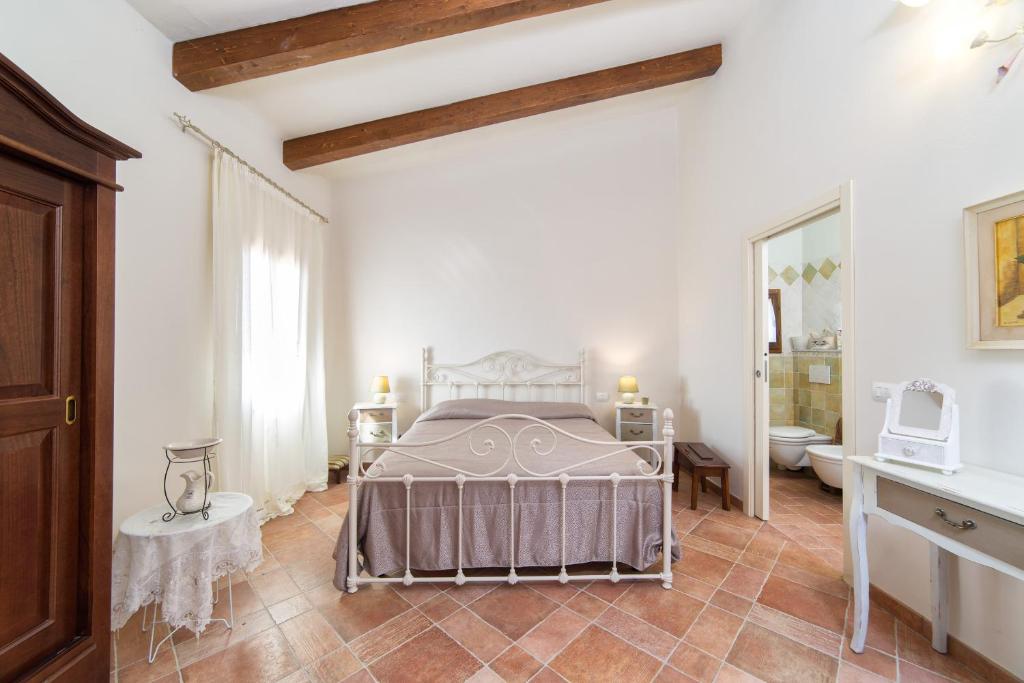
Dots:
(636, 422)
(377, 422)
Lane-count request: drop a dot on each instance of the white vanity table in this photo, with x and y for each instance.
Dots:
(992, 501)
(916, 481)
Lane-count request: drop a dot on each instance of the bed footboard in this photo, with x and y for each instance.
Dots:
(535, 437)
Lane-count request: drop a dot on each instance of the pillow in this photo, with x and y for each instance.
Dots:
(483, 408)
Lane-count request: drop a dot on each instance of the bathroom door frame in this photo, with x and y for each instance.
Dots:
(755, 342)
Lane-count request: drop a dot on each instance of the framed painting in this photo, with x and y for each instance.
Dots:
(994, 251)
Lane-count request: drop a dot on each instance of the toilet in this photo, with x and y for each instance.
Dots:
(827, 461)
(787, 445)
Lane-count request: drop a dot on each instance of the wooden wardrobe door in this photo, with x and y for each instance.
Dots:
(42, 547)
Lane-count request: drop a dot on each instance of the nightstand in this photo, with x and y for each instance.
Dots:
(376, 422)
(636, 422)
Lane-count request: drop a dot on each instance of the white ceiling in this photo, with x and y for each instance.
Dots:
(453, 68)
(184, 19)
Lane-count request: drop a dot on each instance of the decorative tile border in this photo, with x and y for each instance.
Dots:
(826, 269)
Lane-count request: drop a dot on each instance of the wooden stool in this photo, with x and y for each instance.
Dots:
(703, 463)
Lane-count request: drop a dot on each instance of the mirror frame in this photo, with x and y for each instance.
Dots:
(945, 419)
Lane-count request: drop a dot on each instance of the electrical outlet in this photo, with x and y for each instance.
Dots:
(601, 396)
(881, 391)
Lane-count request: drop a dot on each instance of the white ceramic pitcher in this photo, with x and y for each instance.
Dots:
(192, 499)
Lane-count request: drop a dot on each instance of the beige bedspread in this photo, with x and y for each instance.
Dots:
(486, 516)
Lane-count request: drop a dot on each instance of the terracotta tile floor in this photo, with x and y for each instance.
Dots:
(750, 601)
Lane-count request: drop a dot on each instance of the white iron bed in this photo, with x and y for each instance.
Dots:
(599, 484)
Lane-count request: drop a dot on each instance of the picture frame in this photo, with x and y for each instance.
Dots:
(994, 270)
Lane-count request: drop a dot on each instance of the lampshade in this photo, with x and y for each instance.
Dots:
(380, 385)
(627, 383)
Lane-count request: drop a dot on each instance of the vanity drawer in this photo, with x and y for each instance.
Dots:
(637, 432)
(376, 415)
(992, 535)
(375, 433)
(919, 452)
(640, 415)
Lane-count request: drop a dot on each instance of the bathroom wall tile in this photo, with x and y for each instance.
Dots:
(818, 400)
(817, 416)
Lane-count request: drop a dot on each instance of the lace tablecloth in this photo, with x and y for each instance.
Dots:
(175, 563)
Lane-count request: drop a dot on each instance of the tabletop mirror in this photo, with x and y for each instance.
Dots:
(922, 427)
(922, 408)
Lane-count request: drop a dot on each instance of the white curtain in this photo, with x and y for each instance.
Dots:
(268, 341)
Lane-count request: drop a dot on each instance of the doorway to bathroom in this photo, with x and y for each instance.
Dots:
(798, 341)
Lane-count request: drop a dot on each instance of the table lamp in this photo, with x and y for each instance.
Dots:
(381, 388)
(628, 387)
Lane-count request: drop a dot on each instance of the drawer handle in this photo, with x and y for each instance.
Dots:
(966, 524)
(636, 414)
(909, 451)
(377, 435)
(635, 432)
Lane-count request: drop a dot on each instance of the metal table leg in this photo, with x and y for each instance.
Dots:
(154, 647)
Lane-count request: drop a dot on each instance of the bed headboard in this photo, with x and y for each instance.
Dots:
(508, 375)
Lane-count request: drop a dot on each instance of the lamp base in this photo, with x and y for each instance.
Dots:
(380, 398)
(628, 398)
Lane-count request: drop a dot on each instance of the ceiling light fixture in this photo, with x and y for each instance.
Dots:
(983, 39)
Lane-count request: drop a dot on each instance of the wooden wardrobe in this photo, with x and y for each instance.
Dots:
(57, 190)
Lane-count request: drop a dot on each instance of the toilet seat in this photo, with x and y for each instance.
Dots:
(790, 433)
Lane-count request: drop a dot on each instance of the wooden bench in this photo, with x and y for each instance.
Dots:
(336, 463)
(703, 463)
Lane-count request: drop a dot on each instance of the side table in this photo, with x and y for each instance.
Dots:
(174, 564)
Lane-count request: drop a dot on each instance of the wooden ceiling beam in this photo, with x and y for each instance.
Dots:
(280, 46)
(363, 138)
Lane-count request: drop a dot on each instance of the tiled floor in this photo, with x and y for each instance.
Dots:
(806, 514)
(750, 601)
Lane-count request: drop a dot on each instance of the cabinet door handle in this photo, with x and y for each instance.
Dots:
(966, 524)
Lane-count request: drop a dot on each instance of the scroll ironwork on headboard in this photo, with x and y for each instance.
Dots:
(503, 371)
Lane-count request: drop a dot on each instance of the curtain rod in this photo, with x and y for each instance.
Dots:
(186, 124)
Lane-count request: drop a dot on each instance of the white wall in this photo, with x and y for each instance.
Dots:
(113, 69)
(549, 235)
(815, 92)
